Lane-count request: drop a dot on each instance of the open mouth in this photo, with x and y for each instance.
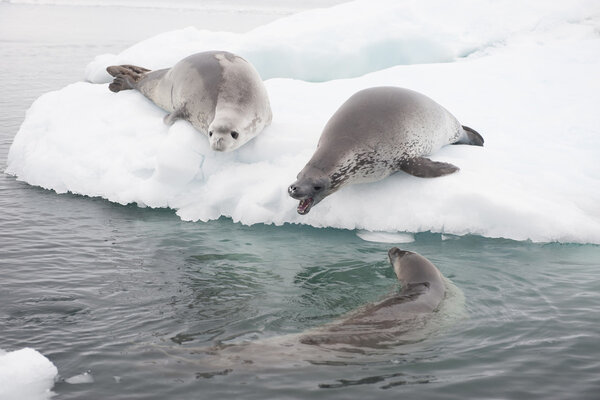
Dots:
(305, 205)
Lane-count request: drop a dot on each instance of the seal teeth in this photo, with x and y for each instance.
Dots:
(304, 206)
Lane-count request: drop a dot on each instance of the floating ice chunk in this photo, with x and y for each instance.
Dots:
(26, 374)
(85, 377)
(537, 177)
(449, 237)
(386, 237)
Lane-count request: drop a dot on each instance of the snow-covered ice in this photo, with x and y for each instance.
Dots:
(26, 374)
(530, 85)
(357, 37)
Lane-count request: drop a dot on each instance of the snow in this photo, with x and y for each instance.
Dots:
(357, 37)
(26, 374)
(529, 85)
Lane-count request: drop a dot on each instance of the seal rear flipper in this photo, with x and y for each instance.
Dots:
(131, 70)
(126, 76)
(423, 167)
(135, 69)
(170, 119)
(121, 82)
(470, 136)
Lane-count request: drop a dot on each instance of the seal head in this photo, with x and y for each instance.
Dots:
(310, 189)
(225, 134)
(418, 275)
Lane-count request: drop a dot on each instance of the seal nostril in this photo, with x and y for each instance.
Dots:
(234, 134)
(317, 188)
(210, 134)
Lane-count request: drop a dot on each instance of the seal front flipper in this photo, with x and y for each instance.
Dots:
(423, 167)
(470, 136)
(180, 113)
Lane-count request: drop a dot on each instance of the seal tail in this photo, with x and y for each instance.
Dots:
(126, 76)
(470, 136)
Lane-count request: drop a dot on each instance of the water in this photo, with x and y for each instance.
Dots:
(135, 295)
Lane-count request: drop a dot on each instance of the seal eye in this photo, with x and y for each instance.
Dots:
(210, 134)
(317, 188)
(234, 134)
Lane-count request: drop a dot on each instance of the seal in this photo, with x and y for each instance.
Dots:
(425, 303)
(375, 133)
(380, 324)
(219, 93)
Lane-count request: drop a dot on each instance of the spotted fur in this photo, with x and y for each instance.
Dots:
(375, 133)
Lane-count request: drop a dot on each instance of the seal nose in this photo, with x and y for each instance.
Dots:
(396, 252)
(292, 189)
(217, 144)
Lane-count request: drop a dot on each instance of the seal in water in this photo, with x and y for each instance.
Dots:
(375, 133)
(426, 302)
(381, 324)
(219, 93)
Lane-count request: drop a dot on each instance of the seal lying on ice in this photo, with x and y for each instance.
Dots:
(375, 133)
(219, 93)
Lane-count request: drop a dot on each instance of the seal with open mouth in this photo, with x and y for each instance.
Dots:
(375, 133)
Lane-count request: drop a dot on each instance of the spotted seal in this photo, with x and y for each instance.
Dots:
(219, 93)
(375, 133)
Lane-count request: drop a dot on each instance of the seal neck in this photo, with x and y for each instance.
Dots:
(313, 170)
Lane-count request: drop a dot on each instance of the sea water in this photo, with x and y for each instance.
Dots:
(129, 297)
